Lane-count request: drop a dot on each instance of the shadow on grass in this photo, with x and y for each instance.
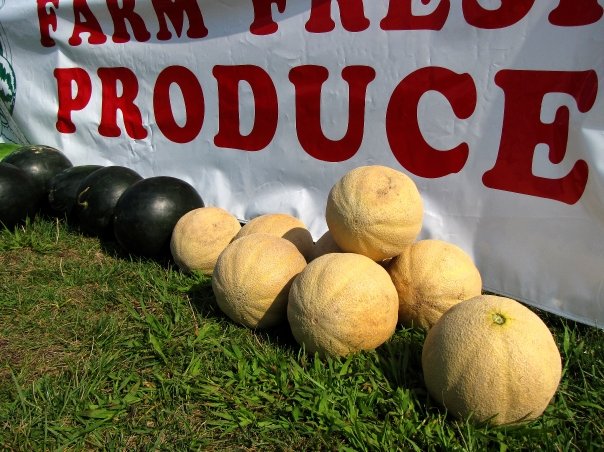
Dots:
(204, 303)
(200, 292)
(108, 243)
(281, 336)
(400, 359)
(203, 300)
(112, 248)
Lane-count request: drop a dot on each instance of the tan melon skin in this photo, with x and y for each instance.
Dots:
(430, 277)
(252, 278)
(200, 236)
(280, 225)
(342, 303)
(501, 374)
(375, 211)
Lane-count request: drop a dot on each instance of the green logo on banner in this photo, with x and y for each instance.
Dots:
(9, 131)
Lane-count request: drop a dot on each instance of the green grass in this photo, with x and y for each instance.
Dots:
(102, 352)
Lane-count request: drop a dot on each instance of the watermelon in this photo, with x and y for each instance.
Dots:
(63, 188)
(97, 196)
(19, 196)
(147, 212)
(41, 163)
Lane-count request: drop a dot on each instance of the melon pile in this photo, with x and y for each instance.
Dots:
(487, 358)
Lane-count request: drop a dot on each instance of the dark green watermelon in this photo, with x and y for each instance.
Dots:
(97, 196)
(42, 163)
(18, 196)
(63, 188)
(147, 212)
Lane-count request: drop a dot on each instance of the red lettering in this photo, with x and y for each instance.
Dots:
(263, 17)
(308, 81)
(47, 20)
(112, 102)
(175, 10)
(85, 22)
(400, 16)
(402, 127)
(123, 14)
(352, 16)
(68, 102)
(523, 130)
(574, 13)
(265, 107)
(194, 104)
(510, 12)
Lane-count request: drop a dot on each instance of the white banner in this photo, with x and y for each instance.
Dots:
(494, 108)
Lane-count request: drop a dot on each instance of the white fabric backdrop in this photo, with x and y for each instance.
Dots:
(542, 251)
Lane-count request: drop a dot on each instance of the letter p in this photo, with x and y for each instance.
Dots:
(67, 79)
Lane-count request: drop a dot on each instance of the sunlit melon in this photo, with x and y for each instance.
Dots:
(200, 236)
(280, 225)
(342, 303)
(252, 277)
(430, 276)
(491, 359)
(375, 211)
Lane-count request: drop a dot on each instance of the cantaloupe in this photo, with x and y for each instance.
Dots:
(252, 277)
(493, 360)
(342, 303)
(430, 276)
(200, 236)
(375, 211)
(280, 225)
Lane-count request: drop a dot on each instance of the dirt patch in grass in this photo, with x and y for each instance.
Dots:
(32, 357)
(9, 358)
